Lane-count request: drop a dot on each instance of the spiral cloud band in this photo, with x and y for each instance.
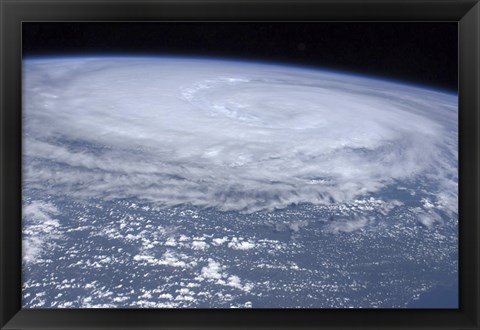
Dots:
(229, 135)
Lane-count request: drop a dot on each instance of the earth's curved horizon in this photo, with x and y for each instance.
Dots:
(183, 182)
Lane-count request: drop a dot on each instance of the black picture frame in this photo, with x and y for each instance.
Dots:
(465, 12)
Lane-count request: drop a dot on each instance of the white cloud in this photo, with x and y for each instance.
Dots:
(199, 245)
(230, 135)
(237, 244)
(427, 217)
(219, 241)
(296, 225)
(171, 242)
(169, 258)
(216, 272)
(213, 270)
(39, 228)
(348, 225)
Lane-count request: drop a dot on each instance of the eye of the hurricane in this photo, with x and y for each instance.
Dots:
(268, 104)
(230, 135)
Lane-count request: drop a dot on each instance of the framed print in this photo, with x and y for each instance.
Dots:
(220, 182)
(240, 165)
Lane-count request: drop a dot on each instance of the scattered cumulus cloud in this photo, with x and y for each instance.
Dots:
(218, 273)
(237, 244)
(213, 270)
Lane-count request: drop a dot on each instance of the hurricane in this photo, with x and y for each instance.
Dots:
(233, 136)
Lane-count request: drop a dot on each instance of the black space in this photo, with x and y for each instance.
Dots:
(424, 53)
